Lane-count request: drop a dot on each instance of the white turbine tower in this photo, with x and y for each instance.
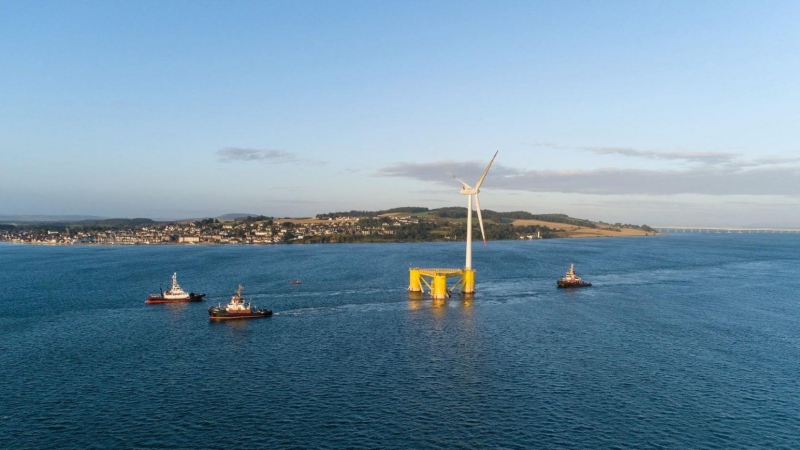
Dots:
(469, 192)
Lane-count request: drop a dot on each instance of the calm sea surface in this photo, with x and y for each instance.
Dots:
(687, 341)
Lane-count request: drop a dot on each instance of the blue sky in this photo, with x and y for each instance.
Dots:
(666, 113)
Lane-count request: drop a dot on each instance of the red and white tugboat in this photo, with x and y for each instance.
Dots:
(236, 309)
(174, 294)
(571, 279)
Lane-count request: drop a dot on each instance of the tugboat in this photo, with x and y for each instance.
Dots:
(174, 294)
(236, 309)
(572, 280)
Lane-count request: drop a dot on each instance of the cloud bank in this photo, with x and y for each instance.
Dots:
(704, 180)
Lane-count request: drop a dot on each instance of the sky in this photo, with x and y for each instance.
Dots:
(679, 113)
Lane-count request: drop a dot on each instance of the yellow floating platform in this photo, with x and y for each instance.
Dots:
(436, 280)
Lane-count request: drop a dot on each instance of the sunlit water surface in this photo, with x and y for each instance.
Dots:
(682, 342)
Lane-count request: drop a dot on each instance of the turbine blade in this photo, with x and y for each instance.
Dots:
(483, 175)
(480, 219)
(462, 182)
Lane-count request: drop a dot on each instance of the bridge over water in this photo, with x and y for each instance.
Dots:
(729, 230)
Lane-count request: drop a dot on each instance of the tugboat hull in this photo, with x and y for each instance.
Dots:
(192, 298)
(216, 313)
(566, 285)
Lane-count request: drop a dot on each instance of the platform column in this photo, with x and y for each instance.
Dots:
(468, 287)
(414, 284)
(439, 287)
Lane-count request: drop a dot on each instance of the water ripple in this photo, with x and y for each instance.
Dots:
(653, 356)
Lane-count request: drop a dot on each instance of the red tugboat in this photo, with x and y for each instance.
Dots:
(236, 309)
(572, 280)
(174, 294)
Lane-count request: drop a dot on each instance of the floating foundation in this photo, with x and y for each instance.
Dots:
(437, 281)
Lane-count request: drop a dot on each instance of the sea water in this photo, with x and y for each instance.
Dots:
(686, 341)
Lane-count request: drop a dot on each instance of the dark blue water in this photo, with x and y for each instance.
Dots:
(683, 342)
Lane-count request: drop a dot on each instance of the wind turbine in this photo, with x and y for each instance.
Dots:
(469, 192)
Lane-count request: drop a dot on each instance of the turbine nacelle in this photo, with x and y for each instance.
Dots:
(465, 188)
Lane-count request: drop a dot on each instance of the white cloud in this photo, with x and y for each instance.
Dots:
(699, 157)
(250, 154)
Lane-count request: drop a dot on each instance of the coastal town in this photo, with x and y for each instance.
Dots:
(206, 231)
(325, 228)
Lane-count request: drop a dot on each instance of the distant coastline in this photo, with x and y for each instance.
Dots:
(210, 244)
(391, 226)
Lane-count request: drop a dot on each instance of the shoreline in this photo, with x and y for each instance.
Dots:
(209, 244)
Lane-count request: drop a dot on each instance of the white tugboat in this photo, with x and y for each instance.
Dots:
(236, 309)
(174, 294)
(571, 279)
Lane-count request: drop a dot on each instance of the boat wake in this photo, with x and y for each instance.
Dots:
(312, 310)
(345, 308)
